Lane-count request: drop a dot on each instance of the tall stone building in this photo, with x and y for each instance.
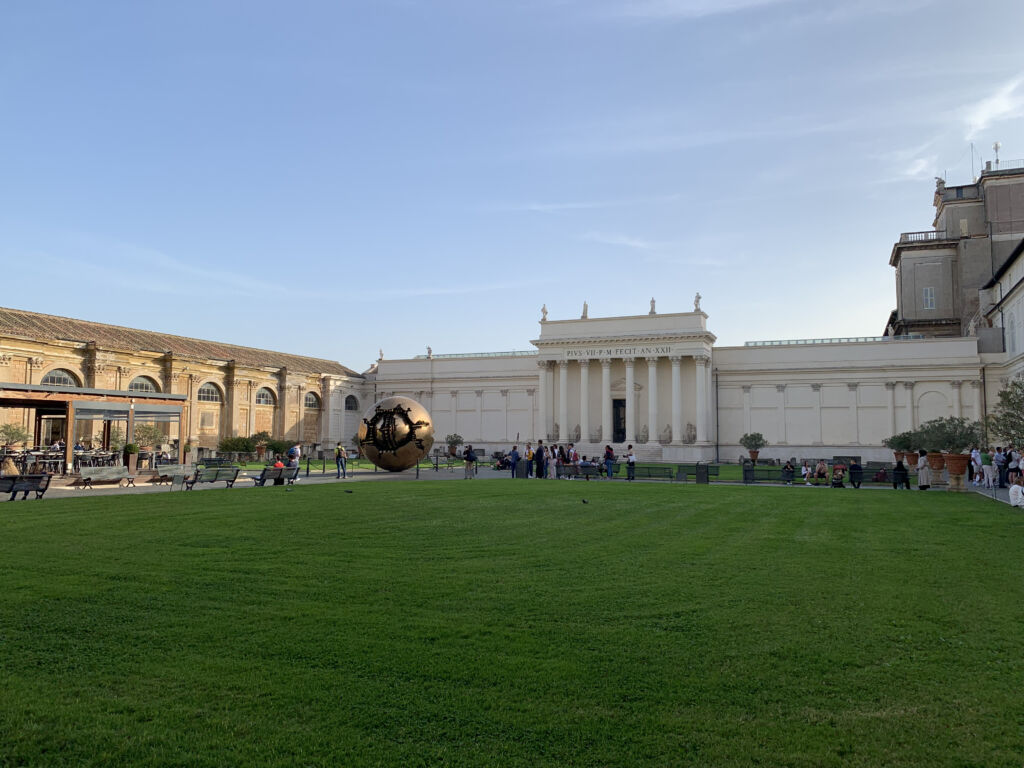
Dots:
(940, 271)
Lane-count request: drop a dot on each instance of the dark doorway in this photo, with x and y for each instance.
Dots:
(619, 421)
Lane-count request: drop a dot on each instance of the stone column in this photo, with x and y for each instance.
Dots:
(746, 406)
(606, 401)
(956, 397)
(976, 386)
(455, 411)
(531, 393)
(816, 388)
(630, 402)
(542, 400)
(677, 400)
(585, 401)
(853, 413)
(908, 393)
(563, 401)
(891, 387)
(479, 414)
(702, 397)
(781, 389)
(504, 406)
(652, 399)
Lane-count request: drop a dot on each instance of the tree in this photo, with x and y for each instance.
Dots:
(148, 435)
(1007, 421)
(12, 434)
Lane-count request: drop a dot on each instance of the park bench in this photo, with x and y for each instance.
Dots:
(654, 473)
(289, 474)
(690, 470)
(27, 484)
(216, 461)
(226, 475)
(117, 475)
(166, 473)
(24, 484)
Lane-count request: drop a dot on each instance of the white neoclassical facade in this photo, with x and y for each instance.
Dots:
(657, 381)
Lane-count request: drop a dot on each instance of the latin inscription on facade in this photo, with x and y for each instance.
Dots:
(599, 352)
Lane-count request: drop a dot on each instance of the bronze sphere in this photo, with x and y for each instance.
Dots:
(396, 433)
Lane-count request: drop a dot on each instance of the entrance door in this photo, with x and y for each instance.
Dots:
(619, 421)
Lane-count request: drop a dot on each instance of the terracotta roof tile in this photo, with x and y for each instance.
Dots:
(34, 325)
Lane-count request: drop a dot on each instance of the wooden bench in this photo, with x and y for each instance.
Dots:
(690, 470)
(27, 484)
(166, 473)
(215, 461)
(117, 475)
(289, 474)
(226, 475)
(654, 473)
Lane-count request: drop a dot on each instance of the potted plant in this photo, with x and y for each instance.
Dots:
(753, 442)
(900, 444)
(14, 434)
(929, 438)
(453, 440)
(131, 457)
(955, 435)
(260, 442)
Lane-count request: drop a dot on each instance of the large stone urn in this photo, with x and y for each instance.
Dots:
(935, 461)
(956, 463)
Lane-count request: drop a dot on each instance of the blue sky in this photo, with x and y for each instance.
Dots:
(330, 178)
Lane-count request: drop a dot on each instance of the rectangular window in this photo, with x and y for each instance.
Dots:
(928, 300)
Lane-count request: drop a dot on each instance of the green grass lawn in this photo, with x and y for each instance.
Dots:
(507, 623)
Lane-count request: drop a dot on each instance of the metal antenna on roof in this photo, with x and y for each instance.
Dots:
(997, 146)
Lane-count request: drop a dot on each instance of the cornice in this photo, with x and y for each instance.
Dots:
(578, 341)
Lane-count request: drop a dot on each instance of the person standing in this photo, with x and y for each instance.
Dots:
(609, 462)
(341, 460)
(513, 457)
(999, 465)
(529, 461)
(469, 455)
(924, 472)
(630, 464)
(540, 459)
(987, 468)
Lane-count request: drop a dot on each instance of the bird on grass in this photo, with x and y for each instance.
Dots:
(585, 501)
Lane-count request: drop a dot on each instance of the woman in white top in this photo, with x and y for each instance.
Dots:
(924, 472)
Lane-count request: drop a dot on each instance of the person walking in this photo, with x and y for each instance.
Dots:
(341, 461)
(987, 468)
(469, 455)
(630, 464)
(513, 457)
(609, 462)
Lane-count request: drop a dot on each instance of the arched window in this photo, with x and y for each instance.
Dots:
(208, 393)
(351, 404)
(312, 401)
(59, 377)
(265, 397)
(142, 384)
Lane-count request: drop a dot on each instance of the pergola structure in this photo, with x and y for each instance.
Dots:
(77, 404)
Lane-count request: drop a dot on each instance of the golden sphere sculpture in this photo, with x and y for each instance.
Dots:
(396, 433)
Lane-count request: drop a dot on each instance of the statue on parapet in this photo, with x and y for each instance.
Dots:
(696, 302)
(584, 315)
(652, 312)
(544, 313)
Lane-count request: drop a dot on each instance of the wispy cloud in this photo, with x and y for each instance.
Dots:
(915, 163)
(583, 205)
(624, 241)
(684, 9)
(1007, 102)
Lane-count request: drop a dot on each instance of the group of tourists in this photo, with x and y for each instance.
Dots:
(995, 468)
(549, 461)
